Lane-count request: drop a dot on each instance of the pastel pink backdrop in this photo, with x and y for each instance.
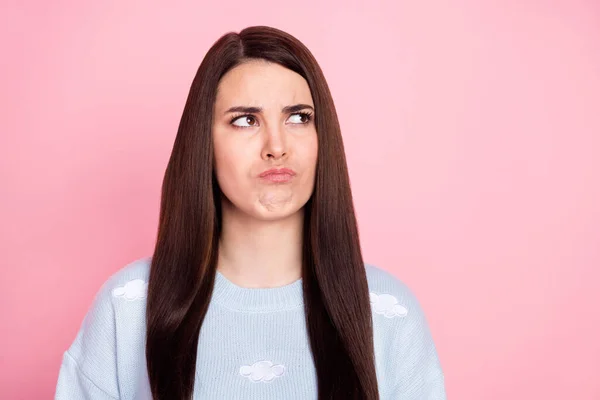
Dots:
(472, 133)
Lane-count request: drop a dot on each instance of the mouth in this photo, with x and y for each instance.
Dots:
(278, 171)
(277, 177)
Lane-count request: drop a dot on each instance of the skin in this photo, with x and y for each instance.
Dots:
(261, 240)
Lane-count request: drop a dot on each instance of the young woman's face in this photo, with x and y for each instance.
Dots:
(247, 143)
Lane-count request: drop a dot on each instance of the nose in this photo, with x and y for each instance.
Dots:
(275, 142)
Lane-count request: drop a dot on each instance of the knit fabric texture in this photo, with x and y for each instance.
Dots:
(253, 343)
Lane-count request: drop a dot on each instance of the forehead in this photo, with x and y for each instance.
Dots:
(263, 84)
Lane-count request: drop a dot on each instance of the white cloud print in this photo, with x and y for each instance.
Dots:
(132, 290)
(262, 371)
(387, 305)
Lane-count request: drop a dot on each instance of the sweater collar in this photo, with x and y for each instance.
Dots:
(239, 298)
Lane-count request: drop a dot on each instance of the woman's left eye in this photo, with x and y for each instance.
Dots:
(304, 118)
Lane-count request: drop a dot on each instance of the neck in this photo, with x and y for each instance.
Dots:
(260, 253)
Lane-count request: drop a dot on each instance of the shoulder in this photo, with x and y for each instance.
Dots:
(389, 295)
(130, 282)
(395, 302)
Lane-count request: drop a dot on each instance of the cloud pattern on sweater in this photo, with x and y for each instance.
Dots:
(387, 305)
(132, 290)
(262, 371)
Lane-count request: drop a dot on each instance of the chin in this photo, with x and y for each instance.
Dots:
(275, 213)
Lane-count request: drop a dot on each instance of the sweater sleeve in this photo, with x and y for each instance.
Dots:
(419, 372)
(89, 366)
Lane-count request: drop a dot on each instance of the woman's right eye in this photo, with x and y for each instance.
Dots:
(248, 119)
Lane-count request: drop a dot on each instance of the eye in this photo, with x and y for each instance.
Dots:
(248, 119)
(305, 118)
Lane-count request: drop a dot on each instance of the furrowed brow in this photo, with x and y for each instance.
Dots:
(258, 110)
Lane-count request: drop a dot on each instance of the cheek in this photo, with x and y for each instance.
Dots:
(231, 168)
(310, 151)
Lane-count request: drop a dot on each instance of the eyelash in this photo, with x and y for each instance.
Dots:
(307, 115)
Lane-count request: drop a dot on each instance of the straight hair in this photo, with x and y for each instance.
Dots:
(184, 262)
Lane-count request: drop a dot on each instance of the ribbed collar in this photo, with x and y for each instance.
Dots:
(239, 298)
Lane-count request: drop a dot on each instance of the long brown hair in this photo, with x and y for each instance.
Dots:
(183, 266)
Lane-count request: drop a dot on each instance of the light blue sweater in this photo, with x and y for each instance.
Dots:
(253, 343)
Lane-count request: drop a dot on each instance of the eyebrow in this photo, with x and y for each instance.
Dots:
(257, 110)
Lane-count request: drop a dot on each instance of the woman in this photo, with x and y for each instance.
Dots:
(257, 288)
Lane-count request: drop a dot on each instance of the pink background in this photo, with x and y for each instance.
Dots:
(472, 133)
